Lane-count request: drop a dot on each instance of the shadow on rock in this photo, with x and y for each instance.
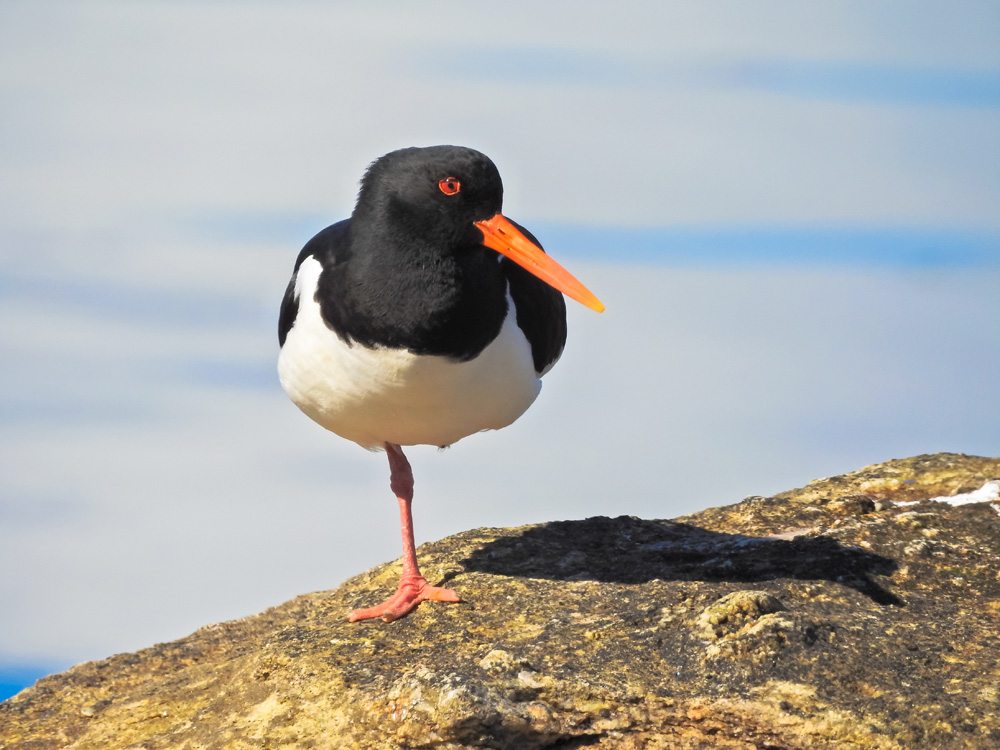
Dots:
(632, 550)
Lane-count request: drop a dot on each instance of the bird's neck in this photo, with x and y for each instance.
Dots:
(421, 295)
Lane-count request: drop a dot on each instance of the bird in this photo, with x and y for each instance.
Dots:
(424, 318)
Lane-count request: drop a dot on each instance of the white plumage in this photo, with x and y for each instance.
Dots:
(377, 395)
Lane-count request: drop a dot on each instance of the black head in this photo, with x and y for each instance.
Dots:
(434, 193)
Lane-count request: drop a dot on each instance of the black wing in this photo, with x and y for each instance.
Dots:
(541, 311)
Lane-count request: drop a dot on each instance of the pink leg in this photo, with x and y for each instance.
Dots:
(413, 587)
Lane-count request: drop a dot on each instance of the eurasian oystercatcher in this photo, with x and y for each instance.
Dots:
(403, 326)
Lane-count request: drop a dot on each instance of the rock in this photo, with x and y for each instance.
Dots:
(861, 611)
(733, 613)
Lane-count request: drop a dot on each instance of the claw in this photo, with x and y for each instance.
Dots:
(409, 594)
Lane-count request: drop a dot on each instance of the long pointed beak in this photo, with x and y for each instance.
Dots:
(500, 235)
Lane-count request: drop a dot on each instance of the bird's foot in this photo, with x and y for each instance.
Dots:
(410, 593)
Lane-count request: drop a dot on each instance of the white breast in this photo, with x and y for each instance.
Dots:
(374, 396)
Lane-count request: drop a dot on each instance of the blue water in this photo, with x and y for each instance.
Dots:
(709, 246)
(785, 246)
(15, 679)
(829, 80)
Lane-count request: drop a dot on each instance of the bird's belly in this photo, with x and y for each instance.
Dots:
(378, 395)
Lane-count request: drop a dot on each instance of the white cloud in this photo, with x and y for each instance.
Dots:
(155, 479)
(125, 112)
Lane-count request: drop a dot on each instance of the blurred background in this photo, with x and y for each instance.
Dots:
(792, 212)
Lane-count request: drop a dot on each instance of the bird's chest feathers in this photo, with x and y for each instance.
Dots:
(373, 393)
(425, 303)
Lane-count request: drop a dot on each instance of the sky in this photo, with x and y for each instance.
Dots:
(791, 211)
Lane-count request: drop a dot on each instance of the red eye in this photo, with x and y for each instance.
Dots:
(449, 185)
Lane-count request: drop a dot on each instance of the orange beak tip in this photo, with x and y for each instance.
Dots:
(503, 237)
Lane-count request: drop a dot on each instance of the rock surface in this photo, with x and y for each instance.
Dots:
(855, 612)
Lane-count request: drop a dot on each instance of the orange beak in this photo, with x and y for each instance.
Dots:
(500, 235)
